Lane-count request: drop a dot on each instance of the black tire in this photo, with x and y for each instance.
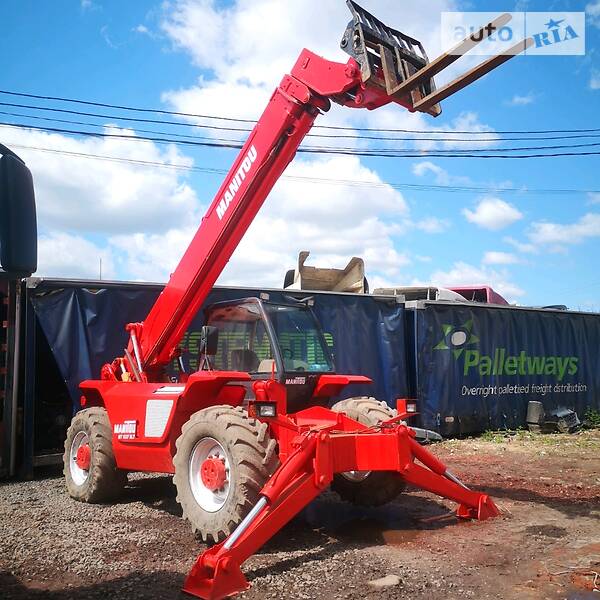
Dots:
(104, 481)
(379, 487)
(252, 456)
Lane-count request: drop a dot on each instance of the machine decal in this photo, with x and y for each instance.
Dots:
(157, 416)
(170, 389)
(236, 182)
(295, 381)
(126, 430)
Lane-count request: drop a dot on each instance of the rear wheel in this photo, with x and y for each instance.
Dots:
(223, 460)
(367, 488)
(90, 471)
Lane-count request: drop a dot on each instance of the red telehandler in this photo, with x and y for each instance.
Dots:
(249, 437)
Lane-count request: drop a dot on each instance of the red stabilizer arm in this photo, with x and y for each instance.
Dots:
(472, 505)
(216, 573)
(312, 460)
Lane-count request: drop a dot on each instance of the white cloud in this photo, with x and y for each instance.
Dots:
(593, 12)
(333, 222)
(468, 121)
(149, 215)
(88, 194)
(108, 38)
(521, 246)
(89, 5)
(493, 213)
(464, 274)
(518, 100)
(559, 235)
(258, 40)
(153, 256)
(78, 196)
(144, 30)
(425, 259)
(246, 47)
(441, 176)
(499, 258)
(64, 255)
(448, 136)
(432, 225)
(234, 100)
(594, 198)
(421, 169)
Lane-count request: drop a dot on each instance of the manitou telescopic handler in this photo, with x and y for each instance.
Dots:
(249, 436)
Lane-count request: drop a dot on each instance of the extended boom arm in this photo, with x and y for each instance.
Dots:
(289, 116)
(385, 66)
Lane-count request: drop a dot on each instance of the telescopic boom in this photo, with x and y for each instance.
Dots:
(385, 66)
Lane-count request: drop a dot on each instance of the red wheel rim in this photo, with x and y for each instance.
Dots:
(84, 457)
(213, 473)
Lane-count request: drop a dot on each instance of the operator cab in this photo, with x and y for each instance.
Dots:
(266, 340)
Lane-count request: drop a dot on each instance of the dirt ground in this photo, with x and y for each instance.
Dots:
(546, 544)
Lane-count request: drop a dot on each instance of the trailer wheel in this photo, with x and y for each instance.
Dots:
(90, 471)
(367, 488)
(223, 460)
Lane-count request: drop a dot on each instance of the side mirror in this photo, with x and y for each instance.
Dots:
(209, 340)
(18, 226)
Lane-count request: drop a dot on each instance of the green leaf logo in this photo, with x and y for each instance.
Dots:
(457, 338)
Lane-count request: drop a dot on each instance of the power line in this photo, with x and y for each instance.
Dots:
(123, 107)
(104, 125)
(432, 136)
(128, 119)
(237, 141)
(319, 180)
(138, 138)
(379, 153)
(240, 120)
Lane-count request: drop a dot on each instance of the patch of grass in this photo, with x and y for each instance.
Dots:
(488, 435)
(523, 434)
(496, 437)
(507, 435)
(591, 418)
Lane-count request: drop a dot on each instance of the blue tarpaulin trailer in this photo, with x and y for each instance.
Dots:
(475, 367)
(472, 367)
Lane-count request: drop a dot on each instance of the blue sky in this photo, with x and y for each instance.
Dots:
(222, 58)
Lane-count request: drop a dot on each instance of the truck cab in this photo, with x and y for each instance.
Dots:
(270, 341)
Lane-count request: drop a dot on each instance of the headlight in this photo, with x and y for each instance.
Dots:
(265, 409)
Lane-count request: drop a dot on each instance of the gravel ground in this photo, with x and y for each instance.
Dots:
(546, 544)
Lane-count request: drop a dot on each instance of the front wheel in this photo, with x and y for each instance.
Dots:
(223, 460)
(367, 488)
(90, 471)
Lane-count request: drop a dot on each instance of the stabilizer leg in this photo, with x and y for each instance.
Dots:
(216, 573)
(486, 509)
(213, 578)
(438, 479)
(304, 475)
